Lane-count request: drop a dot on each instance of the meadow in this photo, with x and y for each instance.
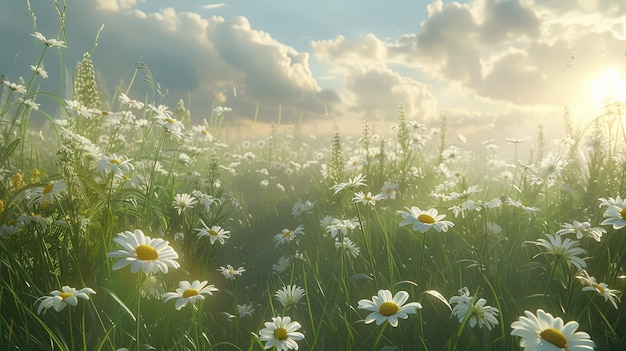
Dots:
(128, 224)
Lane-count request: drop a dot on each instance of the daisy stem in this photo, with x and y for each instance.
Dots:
(380, 335)
(552, 273)
(419, 273)
(71, 327)
(138, 316)
(367, 244)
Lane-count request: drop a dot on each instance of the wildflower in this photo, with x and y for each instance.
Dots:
(18, 88)
(283, 265)
(337, 226)
(219, 110)
(40, 71)
(368, 199)
(384, 307)
(289, 295)
(615, 213)
(352, 183)
(51, 43)
(550, 169)
(281, 333)
(215, 233)
(477, 313)
(300, 208)
(348, 246)
(389, 191)
(125, 100)
(142, 252)
(164, 118)
(518, 204)
(245, 310)
(118, 165)
(229, 272)
(152, 287)
(543, 332)
(205, 200)
(59, 299)
(47, 194)
(566, 249)
(582, 229)
(424, 220)
(288, 235)
(189, 292)
(29, 103)
(182, 202)
(591, 284)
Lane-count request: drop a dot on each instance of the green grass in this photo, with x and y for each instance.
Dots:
(491, 249)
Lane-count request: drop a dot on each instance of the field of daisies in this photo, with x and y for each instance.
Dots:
(130, 225)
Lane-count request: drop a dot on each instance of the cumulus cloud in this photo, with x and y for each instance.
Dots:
(198, 59)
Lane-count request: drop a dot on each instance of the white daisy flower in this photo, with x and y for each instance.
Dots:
(386, 307)
(281, 333)
(59, 299)
(189, 292)
(543, 332)
(141, 252)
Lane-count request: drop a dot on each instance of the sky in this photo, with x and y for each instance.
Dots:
(484, 64)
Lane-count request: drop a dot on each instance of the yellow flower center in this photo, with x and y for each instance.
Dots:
(599, 288)
(388, 308)
(204, 132)
(286, 234)
(388, 190)
(280, 333)
(554, 337)
(213, 232)
(66, 295)
(48, 188)
(170, 120)
(622, 213)
(114, 162)
(190, 292)
(426, 218)
(146, 253)
(368, 198)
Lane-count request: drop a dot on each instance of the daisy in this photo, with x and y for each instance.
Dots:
(300, 208)
(591, 284)
(229, 272)
(182, 202)
(477, 313)
(287, 235)
(352, 183)
(282, 266)
(215, 233)
(384, 307)
(51, 43)
(348, 246)
(47, 194)
(615, 213)
(112, 163)
(389, 191)
(125, 100)
(543, 332)
(582, 229)
(40, 71)
(368, 199)
(189, 292)
(205, 200)
(245, 310)
(567, 249)
(281, 333)
(424, 220)
(289, 295)
(59, 299)
(142, 252)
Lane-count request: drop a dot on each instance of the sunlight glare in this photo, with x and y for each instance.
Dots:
(608, 88)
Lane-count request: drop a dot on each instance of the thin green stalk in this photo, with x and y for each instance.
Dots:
(367, 244)
(138, 319)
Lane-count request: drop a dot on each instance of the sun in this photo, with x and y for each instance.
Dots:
(608, 88)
